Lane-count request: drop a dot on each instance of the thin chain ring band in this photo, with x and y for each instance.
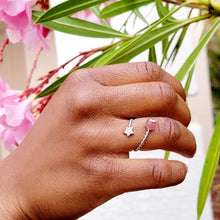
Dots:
(150, 126)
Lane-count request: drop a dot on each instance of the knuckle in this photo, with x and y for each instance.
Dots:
(85, 101)
(78, 76)
(109, 170)
(149, 70)
(105, 169)
(167, 95)
(83, 96)
(73, 78)
(174, 131)
(105, 172)
(157, 173)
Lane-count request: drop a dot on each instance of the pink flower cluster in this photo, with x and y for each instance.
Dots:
(16, 118)
(20, 26)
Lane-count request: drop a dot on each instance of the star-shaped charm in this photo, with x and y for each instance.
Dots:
(129, 131)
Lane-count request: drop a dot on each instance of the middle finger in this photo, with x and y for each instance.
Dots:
(146, 99)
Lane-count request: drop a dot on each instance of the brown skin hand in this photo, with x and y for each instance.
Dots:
(76, 156)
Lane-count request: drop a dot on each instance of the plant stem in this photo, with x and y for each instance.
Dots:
(34, 67)
(201, 7)
(2, 49)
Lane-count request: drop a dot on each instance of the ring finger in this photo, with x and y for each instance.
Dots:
(168, 135)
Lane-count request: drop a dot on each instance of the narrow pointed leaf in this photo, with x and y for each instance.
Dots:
(188, 81)
(122, 6)
(139, 15)
(53, 87)
(96, 11)
(80, 27)
(67, 8)
(148, 42)
(178, 45)
(105, 59)
(165, 42)
(148, 39)
(190, 61)
(209, 168)
(166, 47)
(145, 42)
(162, 11)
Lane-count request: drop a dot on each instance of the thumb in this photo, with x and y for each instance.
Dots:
(139, 174)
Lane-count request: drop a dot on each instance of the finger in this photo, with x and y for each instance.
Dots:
(168, 135)
(146, 99)
(129, 73)
(138, 174)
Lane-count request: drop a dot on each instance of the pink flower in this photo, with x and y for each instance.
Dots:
(90, 16)
(13, 7)
(20, 26)
(16, 118)
(87, 15)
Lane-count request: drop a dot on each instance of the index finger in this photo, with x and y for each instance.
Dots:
(129, 73)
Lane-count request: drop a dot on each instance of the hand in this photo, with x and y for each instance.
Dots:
(76, 156)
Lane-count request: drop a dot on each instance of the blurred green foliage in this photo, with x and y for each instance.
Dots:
(214, 68)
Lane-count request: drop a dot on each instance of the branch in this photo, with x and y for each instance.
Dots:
(2, 49)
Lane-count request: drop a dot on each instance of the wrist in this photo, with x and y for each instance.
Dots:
(10, 205)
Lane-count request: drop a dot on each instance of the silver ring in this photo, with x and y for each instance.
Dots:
(129, 129)
(150, 126)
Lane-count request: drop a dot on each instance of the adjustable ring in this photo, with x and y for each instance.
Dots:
(129, 129)
(150, 126)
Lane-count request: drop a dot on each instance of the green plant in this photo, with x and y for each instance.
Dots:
(166, 30)
(214, 65)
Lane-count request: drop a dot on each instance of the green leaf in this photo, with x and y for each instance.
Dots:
(209, 168)
(166, 47)
(139, 15)
(162, 11)
(190, 61)
(122, 6)
(96, 11)
(54, 86)
(188, 81)
(148, 39)
(67, 8)
(178, 44)
(152, 55)
(165, 43)
(80, 27)
(144, 41)
(167, 155)
(105, 59)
